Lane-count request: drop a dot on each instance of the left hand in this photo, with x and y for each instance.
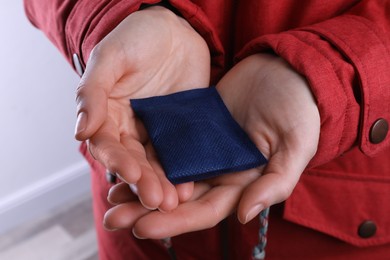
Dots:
(274, 105)
(151, 52)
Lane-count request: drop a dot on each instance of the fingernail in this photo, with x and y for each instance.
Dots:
(149, 207)
(164, 211)
(136, 235)
(253, 212)
(134, 188)
(120, 177)
(108, 228)
(81, 122)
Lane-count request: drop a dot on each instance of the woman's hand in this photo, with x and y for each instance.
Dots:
(151, 52)
(275, 107)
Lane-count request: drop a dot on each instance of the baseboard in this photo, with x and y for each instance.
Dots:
(42, 196)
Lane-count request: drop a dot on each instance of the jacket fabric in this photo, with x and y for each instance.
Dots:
(342, 47)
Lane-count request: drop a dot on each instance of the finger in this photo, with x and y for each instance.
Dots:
(123, 215)
(171, 194)
(121, 193)
(170, 197)
(275, 185)
(91, 111)
(92, 94)
(105, 146)
(184, 191)
(205, 212)
(149, 188)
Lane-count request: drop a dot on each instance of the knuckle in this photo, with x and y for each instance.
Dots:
(215, 214)
(80, 93)
(100, 51)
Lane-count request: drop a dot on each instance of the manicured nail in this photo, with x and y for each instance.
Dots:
(253, 212)
(81, 122)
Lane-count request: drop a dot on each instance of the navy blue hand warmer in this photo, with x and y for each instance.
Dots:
(195, 136)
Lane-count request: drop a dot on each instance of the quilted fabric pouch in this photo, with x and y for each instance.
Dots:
(195, 136)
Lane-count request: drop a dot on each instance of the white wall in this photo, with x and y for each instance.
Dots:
(38, 154)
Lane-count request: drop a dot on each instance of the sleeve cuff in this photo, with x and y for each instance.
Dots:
(90, 22)
(97, 20)
(345, 61)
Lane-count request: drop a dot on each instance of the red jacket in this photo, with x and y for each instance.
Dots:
(342, 47)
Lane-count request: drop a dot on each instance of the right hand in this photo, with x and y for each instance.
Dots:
(151, 52)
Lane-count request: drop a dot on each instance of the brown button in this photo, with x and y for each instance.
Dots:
(379, 131)
(367, 229)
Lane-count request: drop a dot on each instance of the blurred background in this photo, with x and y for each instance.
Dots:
(43, 176)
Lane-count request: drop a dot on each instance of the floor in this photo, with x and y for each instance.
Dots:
(63, 234)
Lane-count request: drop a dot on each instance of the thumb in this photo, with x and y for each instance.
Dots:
(91, 97)
(276, 184)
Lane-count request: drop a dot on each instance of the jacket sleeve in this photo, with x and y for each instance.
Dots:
(76, 26)
(346, 61)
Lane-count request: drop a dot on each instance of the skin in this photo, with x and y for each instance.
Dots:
(142, 57)
(275, 107)
(151, 52)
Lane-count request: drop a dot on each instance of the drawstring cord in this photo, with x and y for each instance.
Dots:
(167, 242)
(259, 250)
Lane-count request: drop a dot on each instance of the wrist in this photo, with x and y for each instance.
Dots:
(167, 12)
